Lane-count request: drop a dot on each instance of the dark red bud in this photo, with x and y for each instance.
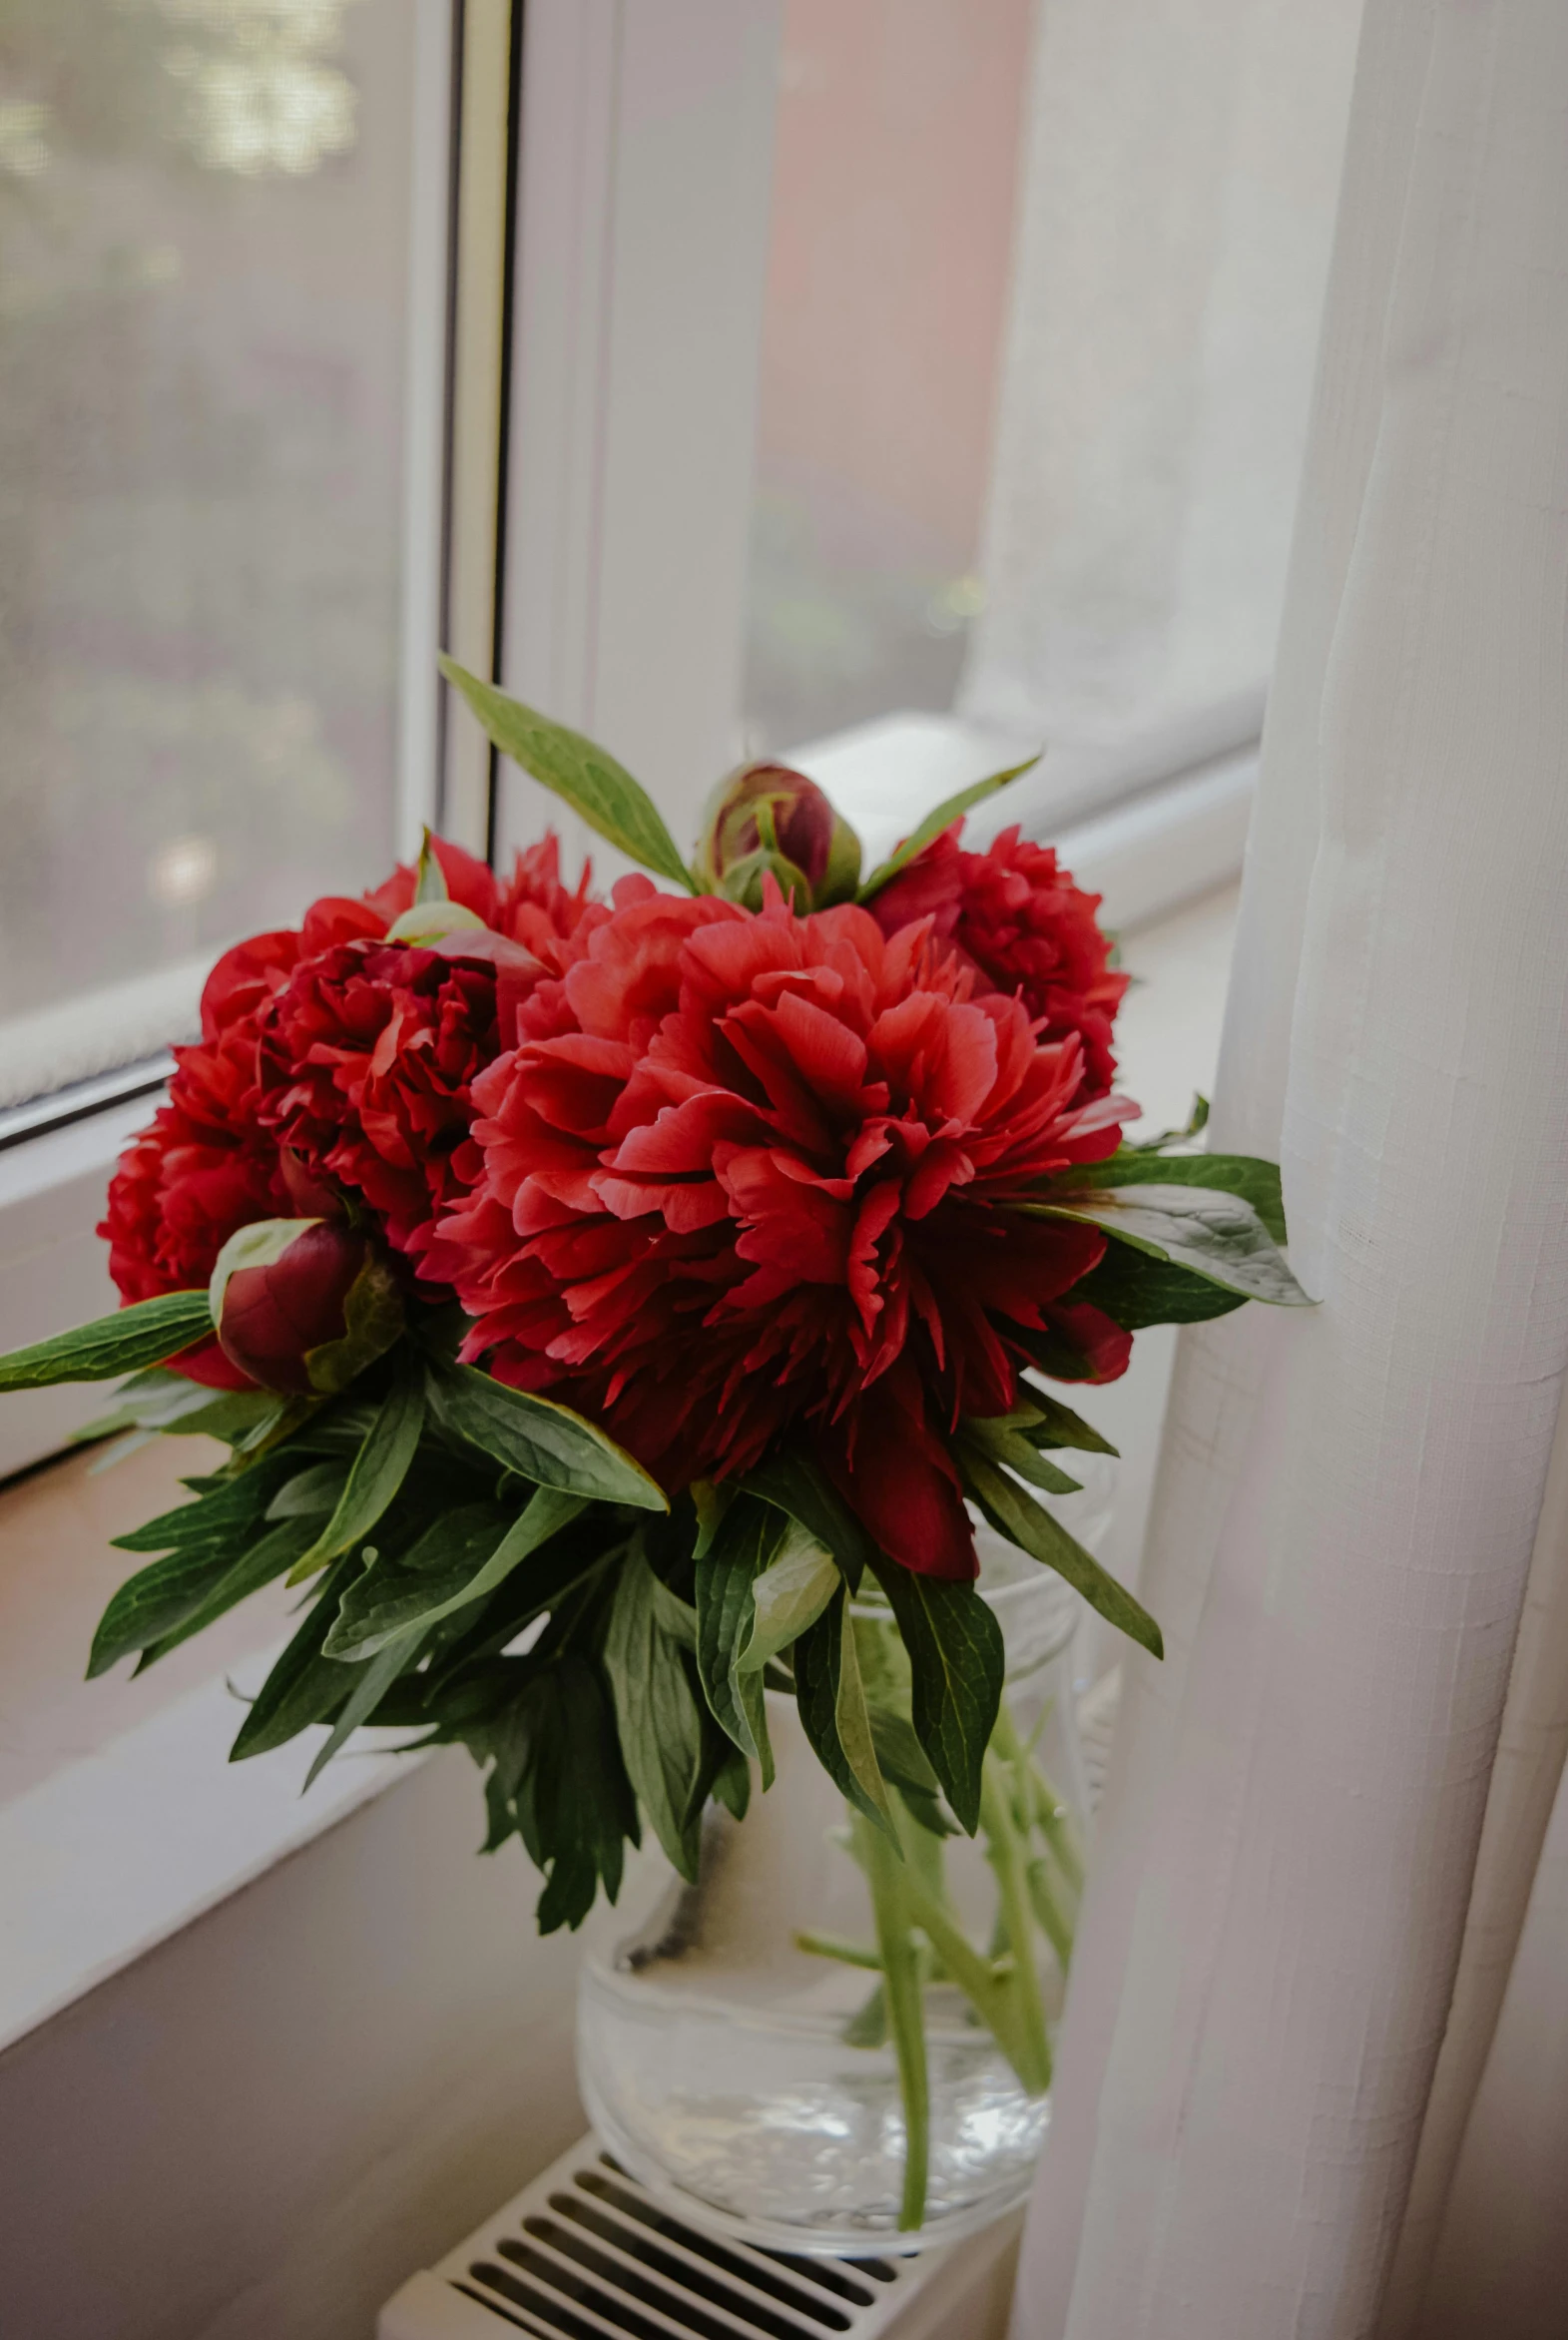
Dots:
(805, 824)
(272, 1315)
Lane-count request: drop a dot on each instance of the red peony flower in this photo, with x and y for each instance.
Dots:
(367, 1062)
(747, 1172)
(210, 1164)
(535, 909)
(205, 1167)
(1025, 928)
(370, 1051)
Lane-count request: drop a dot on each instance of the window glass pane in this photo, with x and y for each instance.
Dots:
(895, 182)
(206, 214)
(1041, 316)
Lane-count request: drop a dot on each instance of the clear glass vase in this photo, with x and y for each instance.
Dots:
(735, 2048)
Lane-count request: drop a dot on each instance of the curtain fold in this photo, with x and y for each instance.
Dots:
(1424, 2302)
(1346, 1504)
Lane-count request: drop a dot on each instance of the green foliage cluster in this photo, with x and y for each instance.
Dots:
(488, 1568)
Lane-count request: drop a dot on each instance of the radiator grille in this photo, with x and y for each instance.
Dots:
(585, 2254)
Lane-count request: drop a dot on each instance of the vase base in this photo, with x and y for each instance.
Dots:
(835, 2215)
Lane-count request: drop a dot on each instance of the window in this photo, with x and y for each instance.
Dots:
(896, 175)
(1043, 288)
(893, 385)
(222, 372)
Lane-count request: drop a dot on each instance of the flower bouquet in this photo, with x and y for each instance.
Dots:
(620, 1315)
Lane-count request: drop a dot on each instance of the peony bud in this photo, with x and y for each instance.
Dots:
(765, 816)
(302, 1305)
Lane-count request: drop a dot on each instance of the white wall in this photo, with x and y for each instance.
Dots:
(259, 2130)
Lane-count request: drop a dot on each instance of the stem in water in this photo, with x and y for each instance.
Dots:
(885, 1873)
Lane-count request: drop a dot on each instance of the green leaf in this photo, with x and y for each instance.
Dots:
(832, 1699)
(430, 879)
(310, 1491)
(1214, 1234)
(171, 1402)
(372, 1324)
(956, 1665)
(454, 1563)
(378, 1471)
(998, 1438)
(403, 1588)
(791, 1593)
(586, 777)
(657, 1714)
(1247, 1175)
(796, 1484)
(542, 1442)
(560, 1782)
(747, 1542)
(1196, 1123)
(143, 1333)
(903, 1763)
(732, 1784)
(203, 1541)
(743, 880)
(676, 1617)
(304, 1686)
(709, 1503)
(224, 1511)
(900, 1752)
(1135, 1290)
(1026, 1524)
(941, 817)
(1046, 1422)
(257, 1566)
(367, 1688)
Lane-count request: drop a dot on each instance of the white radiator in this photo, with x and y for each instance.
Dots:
(586, 2253)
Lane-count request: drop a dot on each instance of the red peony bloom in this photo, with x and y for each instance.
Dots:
(747, 1172)
(210, 1163)
(535, 909)
(1025, 928)
(205, 1167)
(367, 1062)
(370, 1051)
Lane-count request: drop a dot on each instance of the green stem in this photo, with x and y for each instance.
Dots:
(887, 1876)
(1038, 1803)
(1054, 1823)
(1006, 1854)
(986, 1983)
(849, 1954)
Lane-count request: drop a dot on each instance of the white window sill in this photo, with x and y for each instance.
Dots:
(1150, 825)
(117, 1851)
(121, 1818)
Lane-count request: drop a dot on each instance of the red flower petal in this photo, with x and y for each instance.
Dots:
(903, 1485)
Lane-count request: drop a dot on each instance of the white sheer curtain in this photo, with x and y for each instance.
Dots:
(1288, 1935)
